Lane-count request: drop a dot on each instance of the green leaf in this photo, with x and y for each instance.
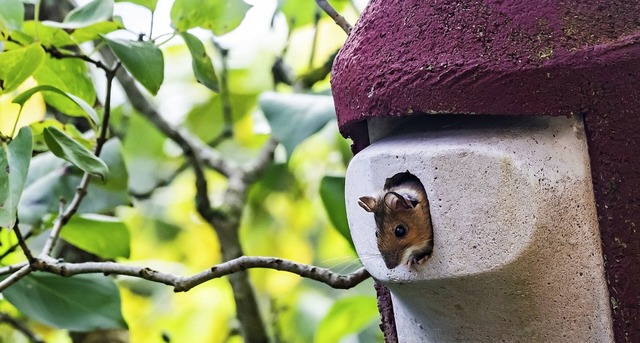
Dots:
(294, 117)
(219, 16)
(206, 120)
(201, 62)
(18, 64)
(347, 316)
(83, 16)
(68, 149)
(46, 35)
(94, 31)
(14, 166)
(142, 59)
(72, 77)
(78, 303)
(88, 111)
(51, 179)
(11, 14)
(107, 237)
(37, 129)
(150, 4)
(332, 194)
(298, 13)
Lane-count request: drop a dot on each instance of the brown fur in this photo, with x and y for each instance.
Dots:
(404, 202)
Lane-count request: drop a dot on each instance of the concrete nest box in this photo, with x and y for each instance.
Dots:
(522, 120)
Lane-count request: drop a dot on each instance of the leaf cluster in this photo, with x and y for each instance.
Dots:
(97, 175)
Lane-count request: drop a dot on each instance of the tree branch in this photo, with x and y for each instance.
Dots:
(323, 275)
(64, 217)
(225, 99)
(6, 318)
(183, 284)
(316, 33)
(311, 77)
(22, 243)
(226, 222)
(12, 268)
(81, 190)
(254, 169)
(194, 149)
(15, 277)
(337, 18)
(55, 53)
(73, 206)
(13, 248)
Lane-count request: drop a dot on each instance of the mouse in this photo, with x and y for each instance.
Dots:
(403, 221)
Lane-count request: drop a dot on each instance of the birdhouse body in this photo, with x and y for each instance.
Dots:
(522, 121)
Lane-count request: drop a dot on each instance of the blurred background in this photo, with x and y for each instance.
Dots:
(281, 49)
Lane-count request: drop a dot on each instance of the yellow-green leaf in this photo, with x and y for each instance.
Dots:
(18, 64)
(219, 16)
(11, 14)
(68, 75)
(347, 316)
(94, 31)
(87, 110)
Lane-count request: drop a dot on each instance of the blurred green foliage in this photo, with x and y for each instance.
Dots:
(145, 212)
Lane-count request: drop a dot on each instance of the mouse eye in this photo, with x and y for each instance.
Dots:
(377, 234)
(400, 231)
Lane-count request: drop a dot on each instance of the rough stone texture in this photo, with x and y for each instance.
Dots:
(543, 57)
(528, 57)
(517, 255)
(614, 147)
(387, 318)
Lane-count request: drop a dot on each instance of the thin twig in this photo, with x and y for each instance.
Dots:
(183, 284)
(15, 277)
(31, 336)
(316, 33)
(311, 77)
(337, 18)
(192, 147)
(162, 183)
(23, 243)
(323, 275)
(12, 268)
(256, 167)
(55, 53)
(15, 246)
(104, 128)
(227, 111)
(63, 219)
(81, 190)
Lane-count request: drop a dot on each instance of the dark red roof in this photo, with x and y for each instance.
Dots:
(487, 57)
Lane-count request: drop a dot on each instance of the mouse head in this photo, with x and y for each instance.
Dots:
(403, 227)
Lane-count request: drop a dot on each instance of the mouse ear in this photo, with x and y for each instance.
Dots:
(396, 201)
(368, 203)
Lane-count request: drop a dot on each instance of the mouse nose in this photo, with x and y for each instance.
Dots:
(391, 261)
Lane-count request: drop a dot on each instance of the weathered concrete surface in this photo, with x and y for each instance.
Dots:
(517, 254)
(527, 57)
